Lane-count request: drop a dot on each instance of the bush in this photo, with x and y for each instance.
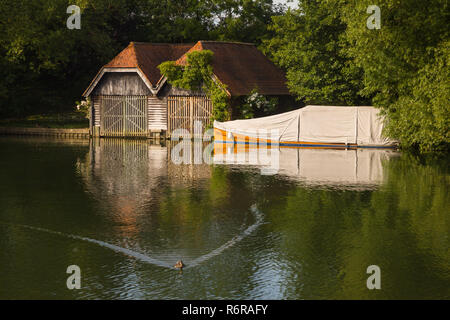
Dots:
(258, 105)
(84, 108)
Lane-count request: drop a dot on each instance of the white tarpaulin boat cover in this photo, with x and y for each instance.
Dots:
(326, 124)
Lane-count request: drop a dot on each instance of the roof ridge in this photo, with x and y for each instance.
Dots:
(228, 42)
(138, 60)
(163, 43)
(191, 43)
(183, 57)
(135, 53)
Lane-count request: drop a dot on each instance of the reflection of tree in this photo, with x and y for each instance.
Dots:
(402, 226)
(204, 213)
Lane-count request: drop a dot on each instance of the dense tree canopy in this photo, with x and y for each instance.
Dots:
(332, 57)
(406, 67)
(309, 44)
(46, 66)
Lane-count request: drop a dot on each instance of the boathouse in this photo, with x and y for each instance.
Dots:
(130, 97)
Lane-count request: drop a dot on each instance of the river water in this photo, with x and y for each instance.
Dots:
(305, 225)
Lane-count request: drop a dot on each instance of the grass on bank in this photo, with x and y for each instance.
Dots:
(72, 120)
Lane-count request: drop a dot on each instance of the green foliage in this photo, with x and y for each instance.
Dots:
(41, 56)
(245, 20)
(406, 67)
(220, 101)
(256, 104)
(171, 70)
(83, 108)
(309, 44)
(45, 66)
(331, 57)
(196, 75)
(422, 118)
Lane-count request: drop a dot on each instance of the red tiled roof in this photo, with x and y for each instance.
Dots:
(147, 57)
(240, 66)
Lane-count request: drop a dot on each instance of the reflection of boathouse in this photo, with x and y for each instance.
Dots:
(131, 169)
(128, 177)
(122, 175)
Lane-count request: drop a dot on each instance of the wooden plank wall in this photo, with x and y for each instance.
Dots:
(136, 117)
(203, 110)
(157, 113)
(96, 100)
(178, 113)
(183, 111)
(122, 84)
(124, 116)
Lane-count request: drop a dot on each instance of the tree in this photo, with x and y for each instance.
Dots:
(406, 67)
(41, 55)
(244, 20)
(309, 44)
(46, 66)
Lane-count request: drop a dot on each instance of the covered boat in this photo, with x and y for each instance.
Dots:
(311, 126)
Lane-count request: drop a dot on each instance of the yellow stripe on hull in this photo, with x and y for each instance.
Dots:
(220, 137)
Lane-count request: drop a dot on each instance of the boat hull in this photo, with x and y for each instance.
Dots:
(221, 137)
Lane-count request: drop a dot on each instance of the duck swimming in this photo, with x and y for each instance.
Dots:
(179, 265)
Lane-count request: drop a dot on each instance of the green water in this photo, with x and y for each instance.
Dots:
(124, 212)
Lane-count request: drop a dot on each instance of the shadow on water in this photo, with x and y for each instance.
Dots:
(126, 210)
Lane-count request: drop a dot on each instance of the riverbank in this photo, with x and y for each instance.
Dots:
(68, 120)
(61, 132)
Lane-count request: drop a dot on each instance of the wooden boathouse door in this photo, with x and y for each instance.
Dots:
(184, 110)
(123, 116)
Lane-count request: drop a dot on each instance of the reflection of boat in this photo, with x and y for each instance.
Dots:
(355, 167)
(311, 126)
